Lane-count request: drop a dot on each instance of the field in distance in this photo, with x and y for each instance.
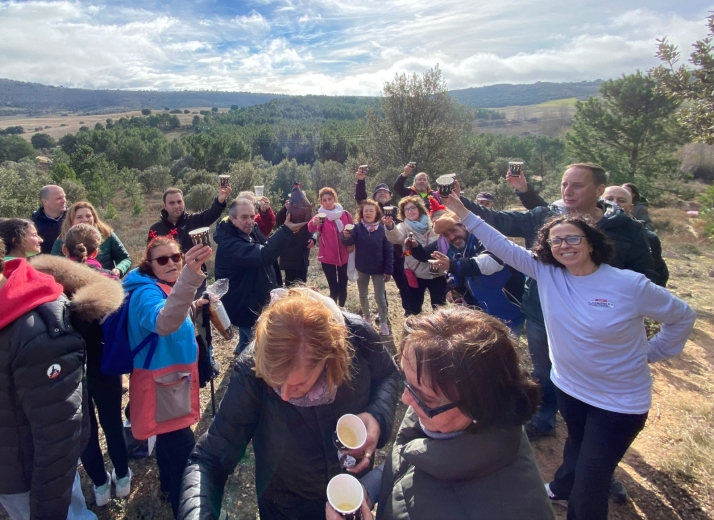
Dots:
(57, 125)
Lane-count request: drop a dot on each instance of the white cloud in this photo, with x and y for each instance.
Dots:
(332, 46)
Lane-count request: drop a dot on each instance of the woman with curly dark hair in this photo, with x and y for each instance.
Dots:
(594, 315)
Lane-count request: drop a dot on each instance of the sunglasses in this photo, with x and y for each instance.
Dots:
(428, 411)
(163, 260)
(572, 240)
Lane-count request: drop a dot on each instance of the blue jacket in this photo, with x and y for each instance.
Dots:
(146, 302)
(374, 254)
(479, 290)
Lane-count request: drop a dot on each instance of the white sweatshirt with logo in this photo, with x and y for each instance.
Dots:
(595, 324)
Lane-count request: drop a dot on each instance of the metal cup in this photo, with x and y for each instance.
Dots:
(225, 180)
(322, 217)
(390, 211)
(350, 227)
(515, 168)
(345, 495)
(433, 268)
(200, 236)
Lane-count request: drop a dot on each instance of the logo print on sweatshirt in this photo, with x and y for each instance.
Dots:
(601, 302)
(54, 371)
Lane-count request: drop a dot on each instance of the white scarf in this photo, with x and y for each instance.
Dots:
(334, 215)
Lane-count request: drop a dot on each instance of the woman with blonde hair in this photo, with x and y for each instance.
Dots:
(309, 364)
(112, 254)
(416, 228)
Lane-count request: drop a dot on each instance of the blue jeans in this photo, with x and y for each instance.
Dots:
(17, 505)
(544, 419)
(245, 336)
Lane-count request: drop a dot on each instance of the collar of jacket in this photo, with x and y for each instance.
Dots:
(167, 222)
(230, 229)
(467, 456)
(40, 213)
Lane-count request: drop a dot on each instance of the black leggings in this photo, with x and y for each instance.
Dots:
(437, 294)
(172, 451)
(337, 280)
(105, 394)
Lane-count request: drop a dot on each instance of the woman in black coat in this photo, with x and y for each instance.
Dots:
(309, 365)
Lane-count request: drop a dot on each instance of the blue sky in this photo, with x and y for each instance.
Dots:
(333, 46)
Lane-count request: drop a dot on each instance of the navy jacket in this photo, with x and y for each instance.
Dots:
(374, 254)
(247, 261)
(48, 228)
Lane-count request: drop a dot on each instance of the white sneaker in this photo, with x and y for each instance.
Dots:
(224, 515)
(554, 499)
(384, 329)
(103, 493)
(123, 485)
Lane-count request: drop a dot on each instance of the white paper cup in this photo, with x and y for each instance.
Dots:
(345, 495)
(258, 190)
(350, 432)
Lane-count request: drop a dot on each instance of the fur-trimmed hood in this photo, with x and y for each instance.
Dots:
(92, 294)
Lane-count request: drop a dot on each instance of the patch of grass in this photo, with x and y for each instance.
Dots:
(570, 102)
(691, 460)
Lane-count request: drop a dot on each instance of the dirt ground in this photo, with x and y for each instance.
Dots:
(669, 470)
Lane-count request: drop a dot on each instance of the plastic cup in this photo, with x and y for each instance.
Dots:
(258, 190)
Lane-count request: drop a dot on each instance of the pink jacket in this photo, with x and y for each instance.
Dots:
(332, 251)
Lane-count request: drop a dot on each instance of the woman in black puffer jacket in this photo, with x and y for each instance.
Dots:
(309, 365)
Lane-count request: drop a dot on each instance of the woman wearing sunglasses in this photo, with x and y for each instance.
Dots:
(460, 451)
(594, 315)
(164, 383)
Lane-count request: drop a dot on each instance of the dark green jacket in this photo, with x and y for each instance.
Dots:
(485, 476)
(112, 254)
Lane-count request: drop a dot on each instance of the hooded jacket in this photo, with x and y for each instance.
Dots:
(48, 228)
(483, 476)
(294, 454)
(247, 261)
(42, 428)
(631, 248)
(187, 222)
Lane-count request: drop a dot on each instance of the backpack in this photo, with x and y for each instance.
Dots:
(117, 354)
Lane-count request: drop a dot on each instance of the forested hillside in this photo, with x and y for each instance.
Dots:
(495, 96)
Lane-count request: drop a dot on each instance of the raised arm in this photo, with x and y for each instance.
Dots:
(119, 254)
(512, 254)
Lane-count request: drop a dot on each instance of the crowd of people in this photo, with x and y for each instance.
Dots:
(590, 273)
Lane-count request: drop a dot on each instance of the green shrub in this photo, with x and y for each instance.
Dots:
(111, 212)
(200, 197)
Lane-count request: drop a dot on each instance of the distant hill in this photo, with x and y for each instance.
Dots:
(35, 99)
(39, 98)
(504, 95)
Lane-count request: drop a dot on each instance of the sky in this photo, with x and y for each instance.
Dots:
(334, 47)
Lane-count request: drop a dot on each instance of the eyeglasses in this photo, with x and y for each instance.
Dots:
(163, 260)
(571, 240)
(429, 412)
(410, 208)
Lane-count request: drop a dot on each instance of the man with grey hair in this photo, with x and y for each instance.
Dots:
(247, 259)
(48, 218)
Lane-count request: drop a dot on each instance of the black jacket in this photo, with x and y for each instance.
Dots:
(247, 261)
(532, 199)
(42, 428)
(294, 454)
(48, 228)
(296, 255)
(631, 249)
(374, 254)
(187, 222)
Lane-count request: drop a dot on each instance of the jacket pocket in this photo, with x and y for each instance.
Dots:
(173, 396)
